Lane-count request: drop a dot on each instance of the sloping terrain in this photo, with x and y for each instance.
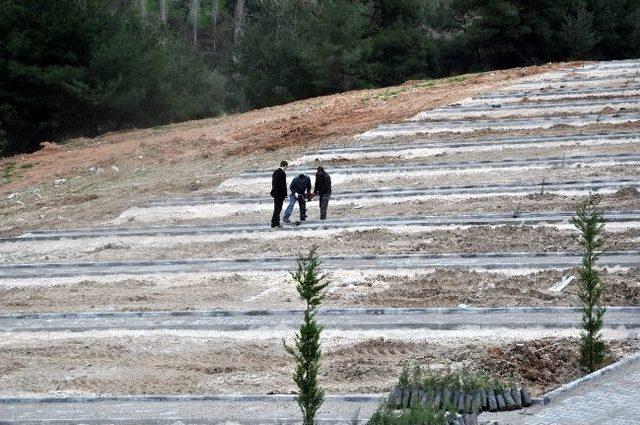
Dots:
(453, 193)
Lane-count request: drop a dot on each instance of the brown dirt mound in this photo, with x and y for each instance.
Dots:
(545, 363)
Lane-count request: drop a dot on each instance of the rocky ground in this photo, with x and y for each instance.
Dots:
(87, 183)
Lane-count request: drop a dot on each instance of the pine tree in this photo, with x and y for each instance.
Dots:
(577, 34)
(590, 222)
(311, 285)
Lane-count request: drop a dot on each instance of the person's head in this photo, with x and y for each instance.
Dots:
(302, 176)
(284, 164)
(321, 169)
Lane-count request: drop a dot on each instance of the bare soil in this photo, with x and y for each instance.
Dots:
(176, 159)
(488, 153)
(474, 239)
(170, 364)
(450, 288)
(545, 364)
(89, 182)
(442, 288)
(534, 201)
(477, 176)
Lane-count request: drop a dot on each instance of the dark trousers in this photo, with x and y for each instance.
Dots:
(277, 209)
(324, 204)
(302, 202)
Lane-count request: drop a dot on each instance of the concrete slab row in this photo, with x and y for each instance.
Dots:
(531, 109)
(399, 193)
(467, 126)
(387, 222)
(492, 261)
(344, 319)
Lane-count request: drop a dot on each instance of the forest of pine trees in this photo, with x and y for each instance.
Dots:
(82, 67)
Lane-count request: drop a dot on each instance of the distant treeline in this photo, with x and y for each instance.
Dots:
(82, 67)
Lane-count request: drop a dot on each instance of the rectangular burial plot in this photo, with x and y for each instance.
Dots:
(530, 109)
(183, 362)
(356, 288)
(13, 273)
(553, 94)
(376, 237)
(466, 126)
(559, 79)
(618, 196)
(353, 177)
(474, 148)
(583, 84)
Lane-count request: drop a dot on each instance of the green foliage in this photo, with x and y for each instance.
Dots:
(577, 33)
(590, 222)
(416, 415)
(73, 67)
(311, 285)
(7, 172)
(82, 67)
(468, 381)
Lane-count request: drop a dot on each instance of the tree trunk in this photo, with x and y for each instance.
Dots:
(195, 10)
(143, 8)
(164, 10)
(239, 21)
(376, 15)
(215, 15)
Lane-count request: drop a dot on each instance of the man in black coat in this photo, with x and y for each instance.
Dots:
(278, 192)
(322, 188)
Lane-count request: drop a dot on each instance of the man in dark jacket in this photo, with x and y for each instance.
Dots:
(322, 188)
(278, 192)
(300, 188)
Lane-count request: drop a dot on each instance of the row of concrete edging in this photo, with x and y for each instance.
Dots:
(554, 394)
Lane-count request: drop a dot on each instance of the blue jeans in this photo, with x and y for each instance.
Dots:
(292, 203)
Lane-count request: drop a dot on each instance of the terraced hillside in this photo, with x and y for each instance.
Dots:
(147, 266)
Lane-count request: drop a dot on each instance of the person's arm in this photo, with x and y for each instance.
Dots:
(315, 185)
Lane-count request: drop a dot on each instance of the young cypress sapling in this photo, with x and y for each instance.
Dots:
(311, 285)
(590, 222)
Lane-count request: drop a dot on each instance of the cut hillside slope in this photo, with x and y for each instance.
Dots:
(88, 180)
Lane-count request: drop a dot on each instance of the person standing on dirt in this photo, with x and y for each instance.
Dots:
(278, 192)
(300, 190)
(322, 189)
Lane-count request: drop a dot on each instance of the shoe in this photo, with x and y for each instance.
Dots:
(286, 220)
